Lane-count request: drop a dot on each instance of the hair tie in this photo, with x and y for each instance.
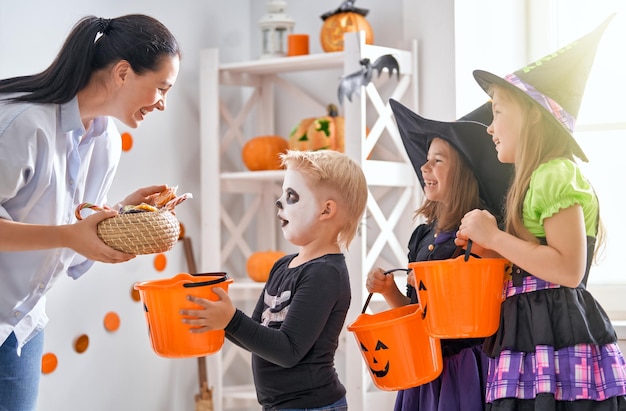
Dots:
(103, 27)
(104, 24)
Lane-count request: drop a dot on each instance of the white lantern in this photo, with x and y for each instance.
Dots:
(275, 27)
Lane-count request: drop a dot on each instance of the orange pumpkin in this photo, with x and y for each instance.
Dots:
(345, 19)
(319, 133)
(260, 264)
(262, 152)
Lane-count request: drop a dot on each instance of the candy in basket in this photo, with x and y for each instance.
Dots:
(143, 228)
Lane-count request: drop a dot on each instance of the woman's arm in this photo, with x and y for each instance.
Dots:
(80, 237)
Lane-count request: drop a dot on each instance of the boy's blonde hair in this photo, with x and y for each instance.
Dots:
(339, 174)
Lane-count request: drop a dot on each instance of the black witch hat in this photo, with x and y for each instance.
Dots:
(556, 82)
(468, 135)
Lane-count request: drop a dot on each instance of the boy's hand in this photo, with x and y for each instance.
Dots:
(214, 315)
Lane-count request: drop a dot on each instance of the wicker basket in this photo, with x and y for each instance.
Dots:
(138, 233)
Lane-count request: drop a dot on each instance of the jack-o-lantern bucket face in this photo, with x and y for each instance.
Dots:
(396, 348)
(374, 361)
(462, 296)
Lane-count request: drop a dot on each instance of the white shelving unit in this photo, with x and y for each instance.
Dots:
(237, 102)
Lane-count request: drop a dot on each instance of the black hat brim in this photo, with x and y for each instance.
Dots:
(469, 137)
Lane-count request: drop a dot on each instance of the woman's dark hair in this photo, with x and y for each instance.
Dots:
(94, 44)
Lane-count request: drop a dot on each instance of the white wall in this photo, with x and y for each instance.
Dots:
(119, 371)
(490, 36)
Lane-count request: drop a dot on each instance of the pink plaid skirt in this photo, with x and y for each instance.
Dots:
(581, 371)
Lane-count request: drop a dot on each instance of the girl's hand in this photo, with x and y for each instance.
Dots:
(411, 279)
(477, 249)
(379, 282)
(214, 315)
(82, 237)
(479, 226)
(143, 195)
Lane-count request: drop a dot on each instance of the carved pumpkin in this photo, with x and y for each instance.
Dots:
(260, 264)
(262, 153)
(345, 19)
(319, 133)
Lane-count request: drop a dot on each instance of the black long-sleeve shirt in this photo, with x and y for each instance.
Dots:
(294, 331)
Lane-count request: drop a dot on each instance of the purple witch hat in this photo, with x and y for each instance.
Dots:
(556, 82)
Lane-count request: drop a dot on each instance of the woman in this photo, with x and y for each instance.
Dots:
(59, 147)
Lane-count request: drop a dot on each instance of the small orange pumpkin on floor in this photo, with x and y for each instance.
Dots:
(319, 133)
(262, 152)
(260, 264)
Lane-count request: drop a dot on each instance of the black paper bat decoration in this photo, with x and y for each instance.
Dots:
(352, 82)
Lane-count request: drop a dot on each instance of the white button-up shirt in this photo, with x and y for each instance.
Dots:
(48, 165)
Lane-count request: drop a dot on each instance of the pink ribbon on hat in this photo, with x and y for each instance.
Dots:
(566, 119)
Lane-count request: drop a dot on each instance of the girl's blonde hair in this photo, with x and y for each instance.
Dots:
(540, 140)
(463, 196)
(344, 179)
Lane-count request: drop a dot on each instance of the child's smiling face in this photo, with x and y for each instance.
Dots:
(299, 207)
(436, 171)
(506, 127)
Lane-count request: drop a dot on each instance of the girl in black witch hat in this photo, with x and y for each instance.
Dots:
(457, 168)
(555, 348)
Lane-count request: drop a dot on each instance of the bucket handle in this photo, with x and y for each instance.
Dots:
(468, 251)
(369, 297)
(223, 277)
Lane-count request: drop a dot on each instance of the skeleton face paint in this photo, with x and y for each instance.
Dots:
(298, 208)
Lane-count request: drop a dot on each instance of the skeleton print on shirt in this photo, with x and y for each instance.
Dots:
(277, 308)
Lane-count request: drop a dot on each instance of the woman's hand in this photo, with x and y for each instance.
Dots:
(214, 315)
(82, 237)
(144, 195)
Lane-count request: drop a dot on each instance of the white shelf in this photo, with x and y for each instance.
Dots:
(226, 236)
(273, 175)
(311, 62)
(378, 173)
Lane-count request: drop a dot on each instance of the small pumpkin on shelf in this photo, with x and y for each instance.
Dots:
(346, 18)
(262, 152)
(319, 133)
(260, 263)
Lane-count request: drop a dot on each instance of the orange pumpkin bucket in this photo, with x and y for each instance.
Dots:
(461, 296)
(397, 350)
(162, 302)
